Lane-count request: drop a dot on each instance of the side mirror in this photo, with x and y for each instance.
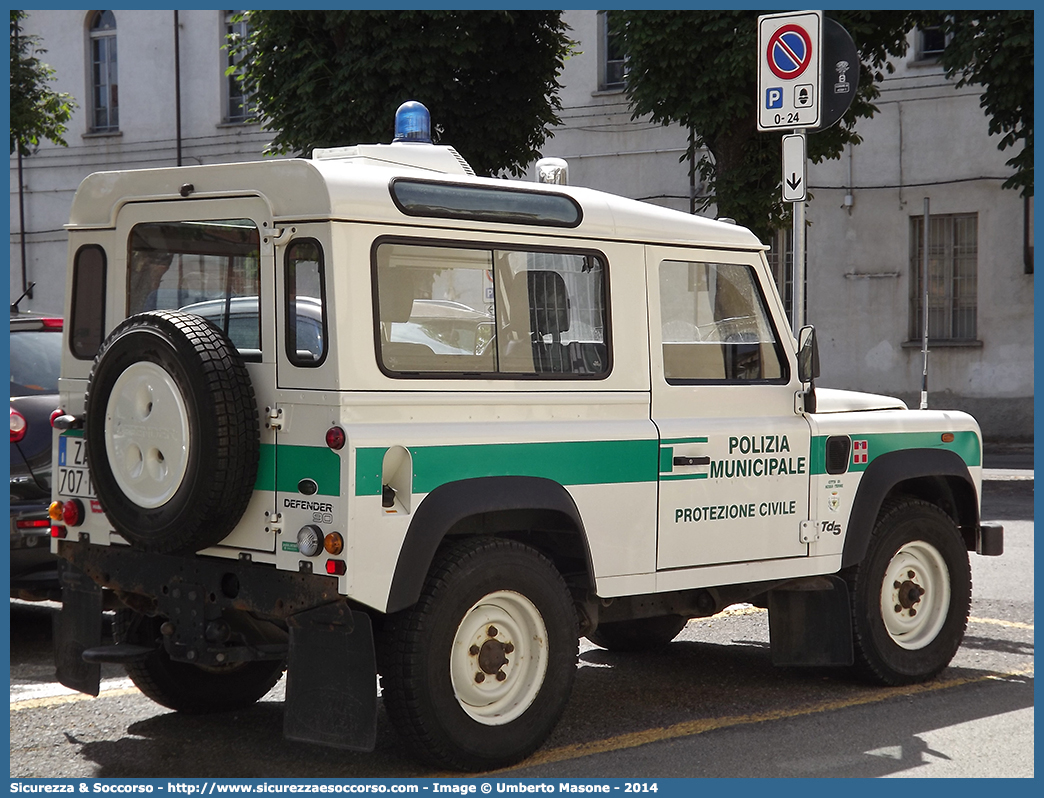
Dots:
(808, 355)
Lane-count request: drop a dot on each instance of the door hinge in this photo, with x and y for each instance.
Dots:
(809, 531)
(273, 418)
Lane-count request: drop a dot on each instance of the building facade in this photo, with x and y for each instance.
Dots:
(148, 97)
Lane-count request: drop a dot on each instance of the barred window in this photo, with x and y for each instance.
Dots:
(953, 264)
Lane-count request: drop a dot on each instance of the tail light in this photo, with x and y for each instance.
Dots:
(73, 513)
(32, 523)
(18, 426)
(335, 438)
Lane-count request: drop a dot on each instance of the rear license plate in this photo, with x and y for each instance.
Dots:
(74, 478)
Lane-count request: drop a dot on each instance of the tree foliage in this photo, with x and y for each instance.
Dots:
(699, 69)
(994, 49)
(334, 78)
(37, 111)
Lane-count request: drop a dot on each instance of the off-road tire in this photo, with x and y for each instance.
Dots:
(172, 432)
(441, 689)
(190, 689)
(641, 634)
(910, 595)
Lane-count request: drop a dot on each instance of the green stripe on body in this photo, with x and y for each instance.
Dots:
(566, 462)
(964, 444)
(296, 463)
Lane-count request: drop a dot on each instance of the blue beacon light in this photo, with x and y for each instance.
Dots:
(412, 124)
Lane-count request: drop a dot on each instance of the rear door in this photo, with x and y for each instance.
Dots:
(215, 259)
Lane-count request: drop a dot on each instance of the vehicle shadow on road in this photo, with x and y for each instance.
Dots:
(667, 694)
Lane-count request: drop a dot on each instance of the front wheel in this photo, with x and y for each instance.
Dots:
(477, 673)
(911, 594)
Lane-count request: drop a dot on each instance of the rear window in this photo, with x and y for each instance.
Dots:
(208, 268)
(35, 361)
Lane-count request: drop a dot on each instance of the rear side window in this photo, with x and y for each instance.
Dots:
(87, 316)
(484, 311)
(305, 304)
(209, 268)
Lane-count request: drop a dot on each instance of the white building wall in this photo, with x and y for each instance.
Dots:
(927, 140)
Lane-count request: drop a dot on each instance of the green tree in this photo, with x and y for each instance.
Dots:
(331, 78)
(994, 49)
(37, 111)
(699, 69)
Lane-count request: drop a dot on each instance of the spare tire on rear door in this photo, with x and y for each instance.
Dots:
(172, 432)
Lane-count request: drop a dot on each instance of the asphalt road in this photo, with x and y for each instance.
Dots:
(710, 705)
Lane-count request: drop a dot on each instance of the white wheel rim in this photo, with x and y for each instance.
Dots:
(147, 434)
(915, 595)
(499, 658)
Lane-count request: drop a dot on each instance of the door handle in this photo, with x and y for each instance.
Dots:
(681, 460)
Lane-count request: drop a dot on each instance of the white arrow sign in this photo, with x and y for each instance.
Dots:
(795, 188)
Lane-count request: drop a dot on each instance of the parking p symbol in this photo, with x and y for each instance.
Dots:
(774, 98)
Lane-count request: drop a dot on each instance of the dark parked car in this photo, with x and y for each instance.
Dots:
(36, 343)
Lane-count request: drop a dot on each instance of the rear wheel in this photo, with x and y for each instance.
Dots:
(477, 673)
(642, 634)
(911, 594)
(191, 689)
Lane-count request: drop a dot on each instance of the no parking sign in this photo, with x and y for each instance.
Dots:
(789, 70)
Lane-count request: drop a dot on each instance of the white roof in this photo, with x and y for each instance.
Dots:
(356, 189)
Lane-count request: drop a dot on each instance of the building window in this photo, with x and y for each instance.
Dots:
(105, 104)
(931, 41)
(612, 61)
(953, 255)
(237, 106)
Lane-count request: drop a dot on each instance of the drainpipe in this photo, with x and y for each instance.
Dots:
(26, 288)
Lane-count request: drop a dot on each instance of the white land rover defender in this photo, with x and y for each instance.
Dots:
(367, 413)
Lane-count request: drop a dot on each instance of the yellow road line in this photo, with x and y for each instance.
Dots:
(996, 622)
(694, 727)
(57, 700)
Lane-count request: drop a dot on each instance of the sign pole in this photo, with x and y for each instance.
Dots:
(924, 345)
(797, 316)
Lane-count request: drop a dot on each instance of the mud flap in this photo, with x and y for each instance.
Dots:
(331, 679)
(77, 627)
(810, 623)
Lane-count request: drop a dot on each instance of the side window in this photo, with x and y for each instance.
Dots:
(491, 312)
(87, 325)
(207, 268)
(305, 306)
(714, 326)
